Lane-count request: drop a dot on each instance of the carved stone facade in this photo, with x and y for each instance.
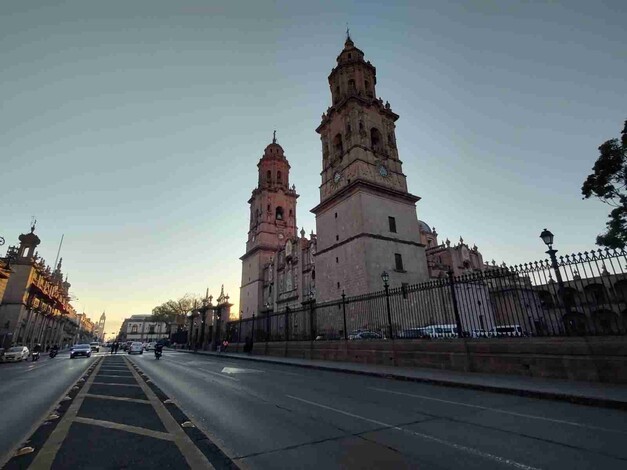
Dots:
(290, 276)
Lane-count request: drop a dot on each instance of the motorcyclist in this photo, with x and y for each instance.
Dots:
(36, 352)
(158, 350)
(54, 350)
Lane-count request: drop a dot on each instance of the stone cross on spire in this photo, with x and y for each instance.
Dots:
(274, 137)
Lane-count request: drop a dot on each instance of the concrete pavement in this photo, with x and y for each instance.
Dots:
(268, 415)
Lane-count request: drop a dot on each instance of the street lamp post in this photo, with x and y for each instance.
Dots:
(385, 277)
(547, 238)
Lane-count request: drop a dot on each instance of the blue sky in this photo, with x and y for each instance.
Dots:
(134, 128)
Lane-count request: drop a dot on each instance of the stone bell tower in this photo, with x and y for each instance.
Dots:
(366, 221)
(272, 221)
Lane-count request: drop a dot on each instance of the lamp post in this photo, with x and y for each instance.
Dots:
(191, 315)
(547, 238)
(385, 277)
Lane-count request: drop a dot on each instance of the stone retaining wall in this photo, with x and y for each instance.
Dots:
(592, 359)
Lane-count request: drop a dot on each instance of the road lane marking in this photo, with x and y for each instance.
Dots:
(115, 384)
(194, 457)
(48, 452)
(199, 370)
(125, 427)
(497, 410)
(428, 437)
(111, 375)
(236, 370)
(111, 397)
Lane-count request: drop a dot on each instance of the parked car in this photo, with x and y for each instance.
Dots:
(16, 354)
(364, 334)
(127, 345)
(507, 330)
(95, 346)
(80, 350)
(479, 333)
(151, 346)
(136, 347)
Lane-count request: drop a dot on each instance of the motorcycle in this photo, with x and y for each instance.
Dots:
(35, 356)
(158, 354)
(53, 353)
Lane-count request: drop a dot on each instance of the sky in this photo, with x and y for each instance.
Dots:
(134, 129)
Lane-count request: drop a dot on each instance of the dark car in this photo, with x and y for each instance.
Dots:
(80, 350)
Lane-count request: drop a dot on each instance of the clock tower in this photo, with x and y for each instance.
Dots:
(366, 221)
(272, 222)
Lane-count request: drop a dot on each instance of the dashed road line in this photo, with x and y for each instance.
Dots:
(116, 384)
(469, 450)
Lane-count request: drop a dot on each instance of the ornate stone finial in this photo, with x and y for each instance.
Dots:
(348, 32)
(475, 248)
(461, 240)
(274, 137)
(59, 265)
(448, 243)
(222, 291)
(302, 232)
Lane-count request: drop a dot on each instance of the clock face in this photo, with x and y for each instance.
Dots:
(337, 177)
(383, 171)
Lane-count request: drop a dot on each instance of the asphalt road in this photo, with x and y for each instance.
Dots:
(29, 389)
(273, 416)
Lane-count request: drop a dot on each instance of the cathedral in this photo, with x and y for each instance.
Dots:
(366, 221)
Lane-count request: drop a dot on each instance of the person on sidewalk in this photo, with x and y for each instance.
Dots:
(225, 344)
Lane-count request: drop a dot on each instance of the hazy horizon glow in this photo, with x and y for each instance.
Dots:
(134, 128)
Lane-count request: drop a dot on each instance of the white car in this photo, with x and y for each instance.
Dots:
(151, 346)
(136, 347)
(16, 354)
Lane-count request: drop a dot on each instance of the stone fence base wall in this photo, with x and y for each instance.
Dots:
(591, 359)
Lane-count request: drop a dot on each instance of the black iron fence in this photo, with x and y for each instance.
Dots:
(588, 298)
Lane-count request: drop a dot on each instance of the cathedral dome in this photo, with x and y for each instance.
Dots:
(424, 227)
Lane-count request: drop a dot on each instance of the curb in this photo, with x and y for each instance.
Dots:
(576, 399)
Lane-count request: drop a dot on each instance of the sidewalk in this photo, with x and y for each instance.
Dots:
(585, 393)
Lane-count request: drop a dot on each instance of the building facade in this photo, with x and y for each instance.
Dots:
(35, 305)
(142, 328)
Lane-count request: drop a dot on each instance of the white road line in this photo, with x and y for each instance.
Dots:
(199, 370)
(459, 447)
(496, 410)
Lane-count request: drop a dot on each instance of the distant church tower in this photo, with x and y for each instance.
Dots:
(101, 326)
(366, 221)
(272, 221)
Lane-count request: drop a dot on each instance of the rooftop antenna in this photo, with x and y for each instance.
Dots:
(58, 251)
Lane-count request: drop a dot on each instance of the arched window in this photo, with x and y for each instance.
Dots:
(278, 177)
(279, 213)
(269, 176)
(134, 329)
(351, 85)
(337, 144)
(367, 87)
(375, 138)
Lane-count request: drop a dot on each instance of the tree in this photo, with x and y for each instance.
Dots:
(608, 182)
(173, 310)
